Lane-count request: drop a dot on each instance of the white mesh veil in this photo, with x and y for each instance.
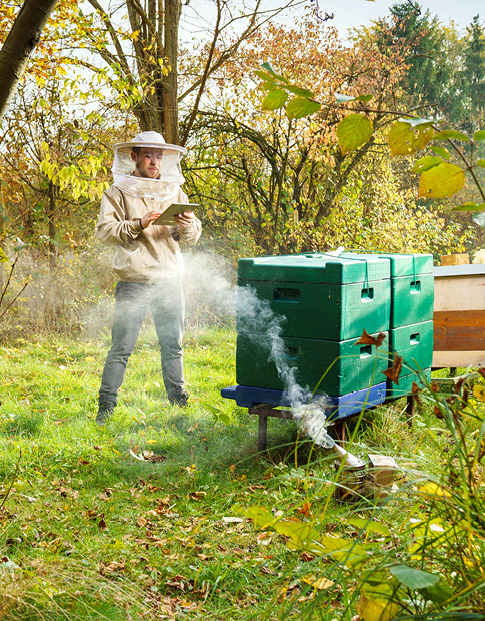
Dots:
(167, 186)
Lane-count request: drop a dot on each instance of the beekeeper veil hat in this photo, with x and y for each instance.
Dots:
(170, 171)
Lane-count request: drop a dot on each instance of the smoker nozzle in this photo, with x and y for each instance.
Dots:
(346, 458)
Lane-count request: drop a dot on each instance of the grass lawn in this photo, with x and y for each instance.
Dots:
(167, 513)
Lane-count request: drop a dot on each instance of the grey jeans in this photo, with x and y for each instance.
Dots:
(132, 300)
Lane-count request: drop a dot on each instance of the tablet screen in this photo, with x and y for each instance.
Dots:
(175, 208)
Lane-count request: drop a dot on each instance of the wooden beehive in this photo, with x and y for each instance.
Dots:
(459, 316)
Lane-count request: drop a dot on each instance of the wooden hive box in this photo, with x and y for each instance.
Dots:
(459, 316)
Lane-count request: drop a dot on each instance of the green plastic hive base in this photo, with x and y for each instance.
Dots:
(405, 386)
(323, 311)
(337, 367)
(414, 343)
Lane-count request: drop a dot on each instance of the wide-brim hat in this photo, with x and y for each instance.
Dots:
(148, 139)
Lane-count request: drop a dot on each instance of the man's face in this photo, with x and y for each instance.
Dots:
(148, 162)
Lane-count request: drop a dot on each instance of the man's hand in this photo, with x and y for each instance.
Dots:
(149, 217)
(185, 218)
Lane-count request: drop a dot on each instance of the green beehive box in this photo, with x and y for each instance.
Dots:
(412, 299)
(321, 297)
(314, 268)
(346, 367)
(414, 343)
(323, 311)
(412, 287)
(405, 386)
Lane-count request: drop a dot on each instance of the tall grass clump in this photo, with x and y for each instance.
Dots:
(415, 552)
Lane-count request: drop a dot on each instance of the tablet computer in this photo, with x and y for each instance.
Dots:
(175, 208)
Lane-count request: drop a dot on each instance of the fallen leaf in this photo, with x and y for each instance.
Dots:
(415, 390)
(393, 372)
(91, 514)
(319, 583)
(479, 392)
(366, 339)
(376, 610)
(264, 539)
(458, 386)
(197, 495)
(113, 567)
(305, 509)
(232, 520)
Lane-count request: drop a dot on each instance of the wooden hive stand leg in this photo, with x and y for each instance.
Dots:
(410, 407)
(340, 429)
(262, 433)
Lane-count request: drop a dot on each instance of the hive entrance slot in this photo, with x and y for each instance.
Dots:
(415, 286)
(366, 351)
(414, 339)
(283, 294)
(367, 294)
(291, 353)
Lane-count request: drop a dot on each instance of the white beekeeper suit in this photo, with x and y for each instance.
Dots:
(147, 260)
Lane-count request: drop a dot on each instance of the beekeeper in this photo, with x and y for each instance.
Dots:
(147, 260)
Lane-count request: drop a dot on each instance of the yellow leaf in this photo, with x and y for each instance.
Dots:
(440, 181)
(353, 131)
(374, 610)
(404, 139)
(479, 392)
(433, 489)
(319, 583)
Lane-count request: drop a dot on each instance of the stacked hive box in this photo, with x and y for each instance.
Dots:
(411, 320)
(327, 303)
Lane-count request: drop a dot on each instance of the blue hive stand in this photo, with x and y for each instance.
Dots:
(263, 402)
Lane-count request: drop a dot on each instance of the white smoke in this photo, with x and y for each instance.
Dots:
(211, 293)
(257, 319)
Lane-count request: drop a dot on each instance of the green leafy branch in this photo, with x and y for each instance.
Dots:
(439, 178)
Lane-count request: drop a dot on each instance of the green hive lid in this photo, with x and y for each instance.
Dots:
(315, 268)
(402, 264)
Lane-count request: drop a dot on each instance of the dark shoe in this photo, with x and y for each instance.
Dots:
(182, 401)
(104, 412)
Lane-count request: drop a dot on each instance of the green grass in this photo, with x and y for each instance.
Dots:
(90, 531)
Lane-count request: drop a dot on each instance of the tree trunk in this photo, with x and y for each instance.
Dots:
(52, 224)
(173, 10)
(19, 45)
